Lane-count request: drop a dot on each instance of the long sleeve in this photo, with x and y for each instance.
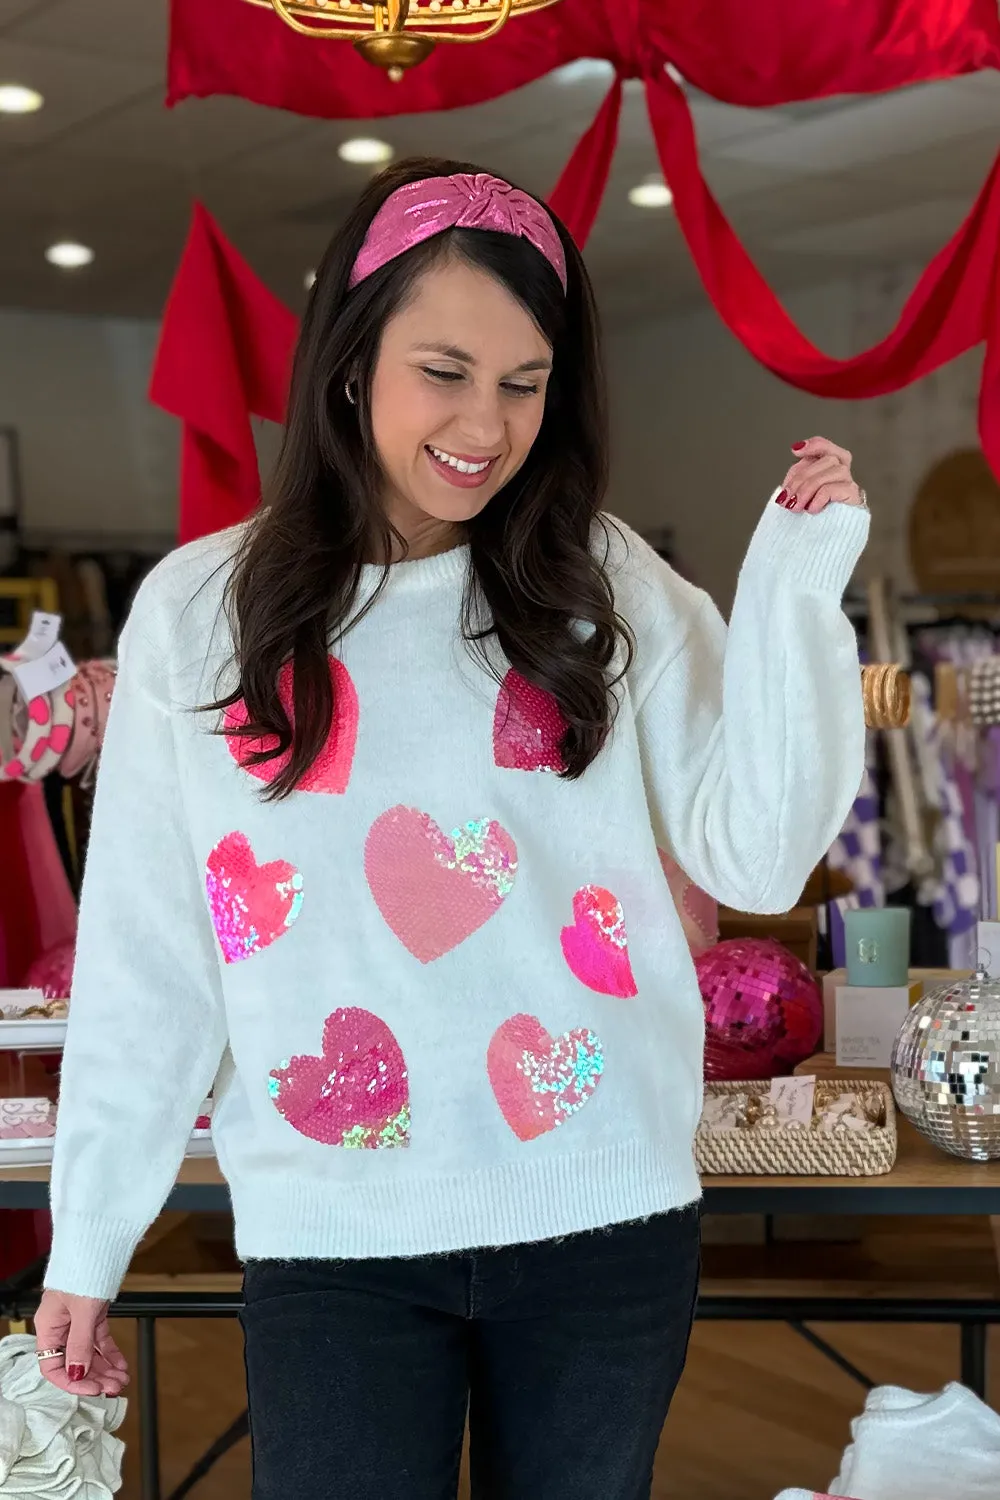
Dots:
(147, 1028)
(752, 740)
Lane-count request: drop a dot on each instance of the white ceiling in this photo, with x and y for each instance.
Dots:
(813, 189)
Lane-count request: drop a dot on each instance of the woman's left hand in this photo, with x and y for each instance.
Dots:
(821, 476)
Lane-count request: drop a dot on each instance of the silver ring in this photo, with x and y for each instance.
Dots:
(864, 498)
(50, 1354)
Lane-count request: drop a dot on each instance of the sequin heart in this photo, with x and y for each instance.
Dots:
(528, 727)
(596, 946)
(698, 911)
(435, 889)
(540, 1080)
(331, 770)
(252, 905)
(356, 1094)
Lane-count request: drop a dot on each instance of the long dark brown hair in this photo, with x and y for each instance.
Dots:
(535, 586)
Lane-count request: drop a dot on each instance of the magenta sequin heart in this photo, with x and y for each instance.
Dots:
(331, 770)
(435, 889)
(528, 727)
(252, 905)
(596, 946)
(356, 1094)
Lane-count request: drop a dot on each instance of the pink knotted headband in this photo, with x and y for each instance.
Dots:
(420, 210)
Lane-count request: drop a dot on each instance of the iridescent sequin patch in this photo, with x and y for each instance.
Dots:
(433, 889)
(528, 727)
(331, 770)
(596, 946)
(356, 1094)
(540, 1080)
(252, 905)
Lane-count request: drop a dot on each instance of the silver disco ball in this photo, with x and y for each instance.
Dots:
(946, 1067)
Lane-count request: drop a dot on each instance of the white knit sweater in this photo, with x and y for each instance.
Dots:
(443, 994)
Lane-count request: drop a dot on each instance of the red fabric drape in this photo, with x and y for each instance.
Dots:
(750, 52)
(224, 354)
(955, 305)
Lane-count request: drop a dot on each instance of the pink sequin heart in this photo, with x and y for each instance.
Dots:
(252, 905)
(38, 711)
(356, 1094)
(698, 911)
(435, 889)
(331, 770)
(540, 1080)
(528, 727)
(596, 946)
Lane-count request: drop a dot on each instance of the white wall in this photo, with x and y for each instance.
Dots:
(702, 432)
(96, 458)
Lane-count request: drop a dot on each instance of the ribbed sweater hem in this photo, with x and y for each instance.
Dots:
(284, 1218)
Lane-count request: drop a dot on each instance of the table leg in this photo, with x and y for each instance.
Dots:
(974, 1357)
(149, 1434)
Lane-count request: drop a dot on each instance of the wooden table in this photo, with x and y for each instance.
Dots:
(924, 1182)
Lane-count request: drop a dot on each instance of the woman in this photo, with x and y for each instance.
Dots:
(396, 886)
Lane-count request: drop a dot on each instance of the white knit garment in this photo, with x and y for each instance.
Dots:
(436, 943)
(53, 1446)
(912, 1447)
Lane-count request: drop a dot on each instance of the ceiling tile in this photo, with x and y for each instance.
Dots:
(101, 28)
(73, 93)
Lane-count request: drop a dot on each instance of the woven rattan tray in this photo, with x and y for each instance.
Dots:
(798, 1151)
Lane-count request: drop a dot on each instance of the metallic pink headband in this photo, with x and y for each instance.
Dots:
(420, 210)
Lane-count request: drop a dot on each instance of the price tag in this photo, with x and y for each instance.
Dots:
(43, 635)
(793, 1099)
(44, 673)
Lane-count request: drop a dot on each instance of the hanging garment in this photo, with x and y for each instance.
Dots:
(52, 1444)
(984, 691)
(953, 891)
(857, 851)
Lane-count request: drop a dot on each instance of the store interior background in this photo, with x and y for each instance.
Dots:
(841, 202)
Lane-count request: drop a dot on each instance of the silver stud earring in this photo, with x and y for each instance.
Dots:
(349, 393)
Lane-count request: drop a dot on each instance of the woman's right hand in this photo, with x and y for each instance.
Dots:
(78, 1327)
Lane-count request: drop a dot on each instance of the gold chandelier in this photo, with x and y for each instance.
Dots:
(398, 34)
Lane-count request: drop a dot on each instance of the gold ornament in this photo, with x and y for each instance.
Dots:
(399, 34)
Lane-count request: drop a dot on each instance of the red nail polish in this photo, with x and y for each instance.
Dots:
(797, 447)
(781, 497)
(790, 503)
(76, 1372)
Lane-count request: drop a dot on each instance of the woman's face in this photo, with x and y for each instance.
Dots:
(458, 396)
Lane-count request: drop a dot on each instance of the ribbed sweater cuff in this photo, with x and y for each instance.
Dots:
(90, 1255)
(818, 552)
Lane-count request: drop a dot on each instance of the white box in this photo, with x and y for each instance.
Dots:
(988, 947)
(868, 1022)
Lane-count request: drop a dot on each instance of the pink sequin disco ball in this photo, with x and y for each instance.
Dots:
(53, 972)
(763, 1009)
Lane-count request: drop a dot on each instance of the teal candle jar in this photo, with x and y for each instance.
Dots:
(877, 946)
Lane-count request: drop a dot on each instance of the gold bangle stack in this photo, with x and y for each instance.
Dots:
(885, 689)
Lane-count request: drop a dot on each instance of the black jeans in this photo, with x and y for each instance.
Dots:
(565, 1354)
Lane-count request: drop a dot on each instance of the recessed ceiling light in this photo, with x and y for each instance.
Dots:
(15, 99)
(309, 280)
(364, 151)
(68, 255)
(652, 194)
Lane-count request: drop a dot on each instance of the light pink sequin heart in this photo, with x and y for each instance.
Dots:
(698, 911)
(540, 1080)
(596, 946)
(528, 727)
(356, 1094)
(252, 905)
(435, 889)
(331, 770)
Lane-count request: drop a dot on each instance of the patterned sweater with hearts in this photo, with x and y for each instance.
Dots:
(443, 994)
